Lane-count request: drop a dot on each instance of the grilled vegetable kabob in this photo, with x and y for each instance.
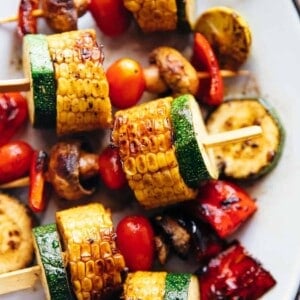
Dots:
(64, 77)
(86, 262)
(156, 143)
(144, 147)
(113, 17)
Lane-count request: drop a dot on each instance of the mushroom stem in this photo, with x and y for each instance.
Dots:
(88, 165)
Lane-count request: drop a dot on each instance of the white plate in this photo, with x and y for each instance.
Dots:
(272, 235)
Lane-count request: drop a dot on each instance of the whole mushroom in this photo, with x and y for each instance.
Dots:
(170, 70)
(69, 167)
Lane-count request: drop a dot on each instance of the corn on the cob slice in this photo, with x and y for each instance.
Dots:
(143, 135)
(144, 285)
(82, 89)
(95, 263)
(154, 15)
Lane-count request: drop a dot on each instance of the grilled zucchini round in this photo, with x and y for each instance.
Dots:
(196, 163)
(39, 69)
(228, 34)
(49, 257)
(16, 245)
(255, 157)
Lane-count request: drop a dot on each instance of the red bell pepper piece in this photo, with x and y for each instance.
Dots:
(13, 114)
(39, 188)
(234, 274)
(224, 205)
(211, 90)
(27, 22)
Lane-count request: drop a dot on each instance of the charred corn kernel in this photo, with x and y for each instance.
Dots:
(93, 259)
(154, 15)
(82, 89)
(143, 135)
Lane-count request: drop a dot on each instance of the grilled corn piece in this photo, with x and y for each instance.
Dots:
(93, 259)
(82, 94)
(161, 286)
(154, 15)
(143, 135)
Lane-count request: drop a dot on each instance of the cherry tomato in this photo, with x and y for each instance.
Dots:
(224, 205)
(15, 160)
(13, 115)
(110, 168)
(111, 16)
(211, 91)
(126, 82)
(135, 239)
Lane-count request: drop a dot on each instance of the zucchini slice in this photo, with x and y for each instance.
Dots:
(181, 286)
(16, 245)
(39, 69)
(252, 158)
(196, 163)
(228, 33)
(49, 257)
(185, 11)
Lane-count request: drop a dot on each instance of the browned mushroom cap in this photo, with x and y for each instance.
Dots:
(175, 70)
(61, 16)
(68, 164)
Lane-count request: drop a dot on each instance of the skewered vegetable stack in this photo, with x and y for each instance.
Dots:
(94, 265)
(158, 141)
(69, 89)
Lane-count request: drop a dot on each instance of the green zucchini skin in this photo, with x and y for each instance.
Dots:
(253, 152)
(39, 68)
(185, 9)
(55, 279)
(177, 286)
(194, 163)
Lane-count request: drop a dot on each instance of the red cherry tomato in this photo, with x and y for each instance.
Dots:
(110, 168)
(111, 16)
(15, 160)
(13, 115)
(135, 239)
(126, 82)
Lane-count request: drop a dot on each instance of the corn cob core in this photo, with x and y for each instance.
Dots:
(82, 93)
(143, 135)
(93, 259)
(154, 15)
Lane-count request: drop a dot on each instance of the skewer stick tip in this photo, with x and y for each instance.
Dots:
(227, 137)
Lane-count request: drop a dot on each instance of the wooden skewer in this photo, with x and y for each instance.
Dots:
(225, 73)
(19, 280)
(232, 136)
(20, 85)
(14, 85)
(210, 141)
(36, 13)
(22, 182)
